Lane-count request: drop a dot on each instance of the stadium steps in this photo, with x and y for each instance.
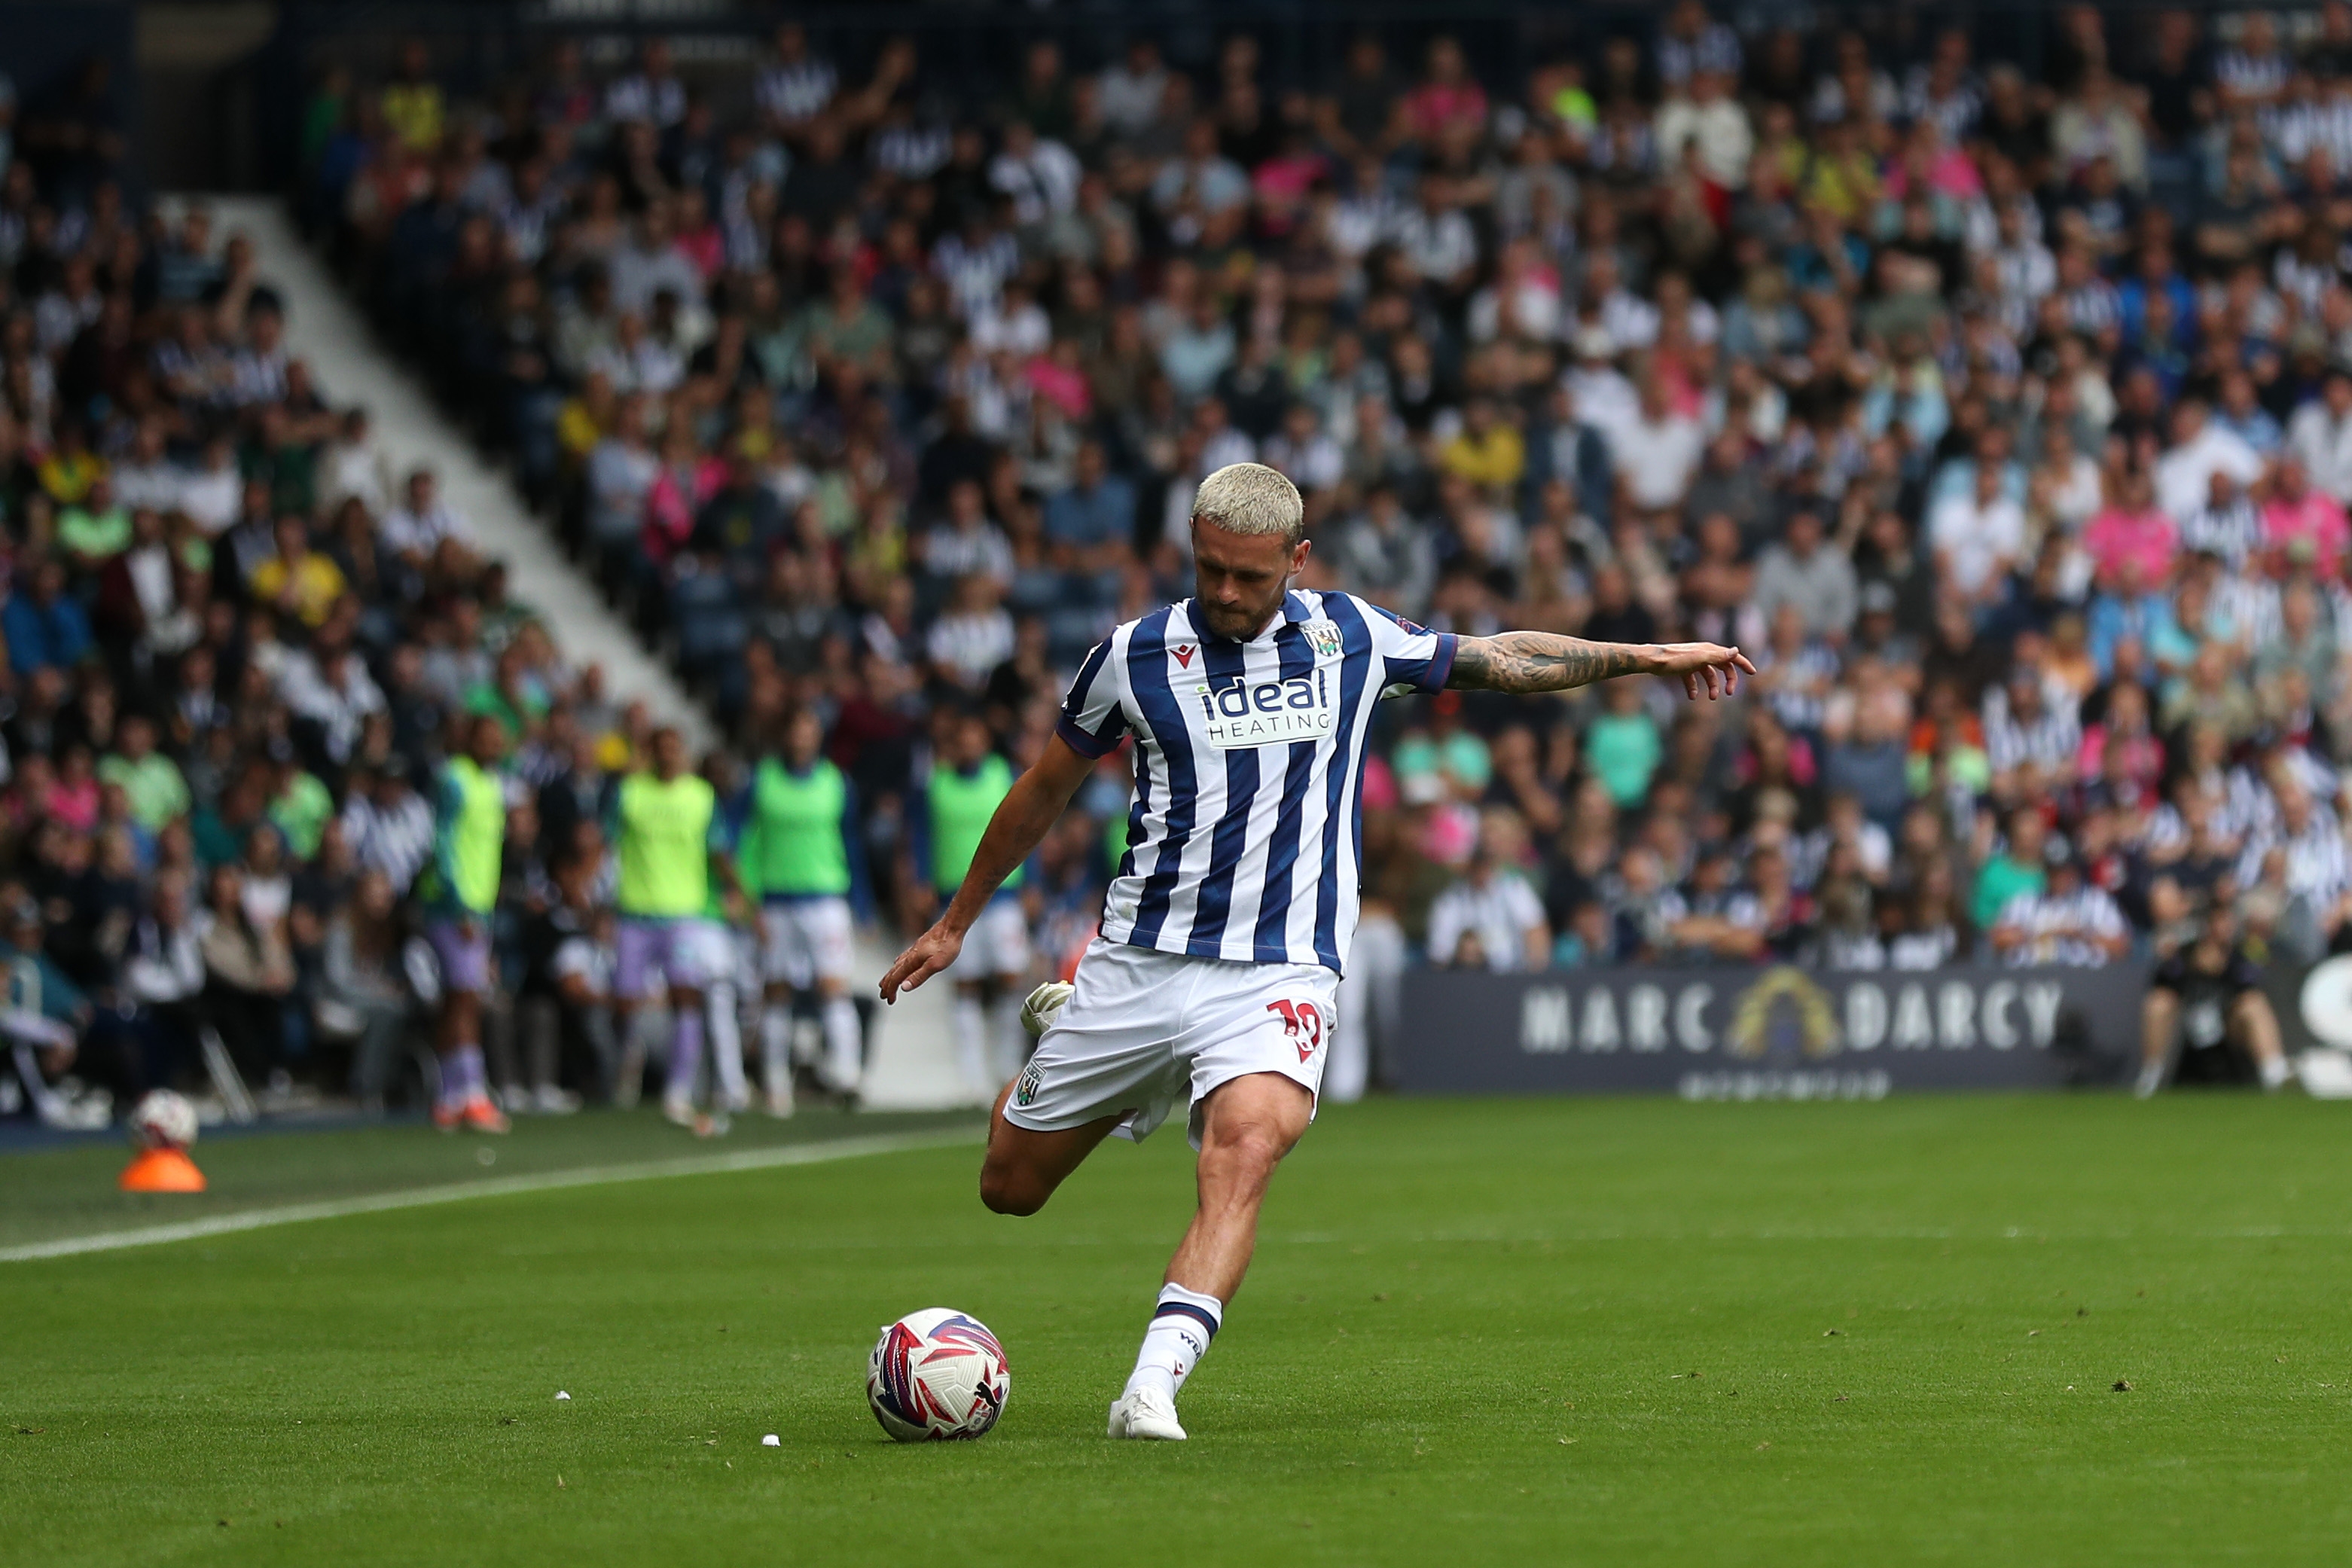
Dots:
(324, 327)
(914, 1058)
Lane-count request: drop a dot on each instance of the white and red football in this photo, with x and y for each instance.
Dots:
(937, 1373)
(162, 1120)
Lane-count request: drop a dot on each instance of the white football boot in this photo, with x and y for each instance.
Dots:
(1146, 1413)
(1038, 1012)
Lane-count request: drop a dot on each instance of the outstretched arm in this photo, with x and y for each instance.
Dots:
(1541, 661)
(1021, 821)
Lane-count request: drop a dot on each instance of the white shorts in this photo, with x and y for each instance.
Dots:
(1144, 1029)
(996, 946)
(707, 950)
(805, 941)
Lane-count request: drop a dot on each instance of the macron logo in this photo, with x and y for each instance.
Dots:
(1184, 656)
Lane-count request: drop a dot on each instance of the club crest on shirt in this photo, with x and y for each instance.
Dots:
(1323, 636)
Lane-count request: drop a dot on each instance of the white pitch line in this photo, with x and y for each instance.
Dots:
(495, 1187)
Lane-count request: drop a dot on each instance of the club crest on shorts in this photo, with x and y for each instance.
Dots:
(1033, 1076)
(1323, 636)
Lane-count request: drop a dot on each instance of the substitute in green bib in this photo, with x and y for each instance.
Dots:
(799, 853)
(460, 888)
(966, 784)
(668, 838)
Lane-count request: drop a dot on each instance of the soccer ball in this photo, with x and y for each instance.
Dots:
(938, 1373)
(163, 1119)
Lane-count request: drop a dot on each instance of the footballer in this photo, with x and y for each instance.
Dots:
(1214, 976)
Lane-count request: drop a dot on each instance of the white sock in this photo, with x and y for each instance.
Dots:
(1182, 1327)
(845, 1044)
(776, 1045)
(971, 1044)
(2275, 1071)
(1009, 1040)
(726, 1044)
(685, 1056)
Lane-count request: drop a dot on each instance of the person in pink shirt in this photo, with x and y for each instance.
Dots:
(1933, 167)
(2131, 528)
(2298, 510)
(1449, 99)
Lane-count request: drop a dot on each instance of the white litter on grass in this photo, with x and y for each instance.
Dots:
(560, 1395)
(772, 1441)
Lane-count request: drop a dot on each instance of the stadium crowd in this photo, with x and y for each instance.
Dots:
(2006, 419)
(238, 650)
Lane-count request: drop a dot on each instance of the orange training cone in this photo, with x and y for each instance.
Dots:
(161, 1171)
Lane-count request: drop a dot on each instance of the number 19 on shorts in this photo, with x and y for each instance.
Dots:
(1303, 1022)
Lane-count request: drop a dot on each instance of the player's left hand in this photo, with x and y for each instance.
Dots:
(926, 956)
(1706, 662)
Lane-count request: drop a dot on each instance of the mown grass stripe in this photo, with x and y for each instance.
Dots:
(489, 1187)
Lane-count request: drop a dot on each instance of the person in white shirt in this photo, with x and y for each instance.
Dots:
(1631, 320)
(2319, 436)
(2201, 449)
(1708, 117)
(1037, 172)
(145, 477)
(331, 687)
(1304, 452)
(210, 497)
(1493, 906)
(1978, 537)
(1658, 452)
(648, 264)
(1523, 301)
(1435, 239)
(417, 528)
(1129, 93)
(351, 467)
(1598, 391)
(1014, 323)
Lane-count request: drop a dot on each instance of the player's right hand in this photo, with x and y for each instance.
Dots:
(929, 952)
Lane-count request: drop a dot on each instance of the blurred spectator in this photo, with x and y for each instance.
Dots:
(1490, 918)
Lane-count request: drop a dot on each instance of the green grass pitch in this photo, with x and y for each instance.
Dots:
(1531, 1332)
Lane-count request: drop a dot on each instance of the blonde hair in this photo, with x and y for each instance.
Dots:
(1250, 498)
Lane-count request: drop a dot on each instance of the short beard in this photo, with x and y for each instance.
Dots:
(1208, 624)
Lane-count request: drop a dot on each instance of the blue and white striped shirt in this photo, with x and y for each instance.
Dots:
(1242, 842)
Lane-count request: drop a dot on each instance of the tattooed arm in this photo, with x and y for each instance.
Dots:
(1540, 662)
